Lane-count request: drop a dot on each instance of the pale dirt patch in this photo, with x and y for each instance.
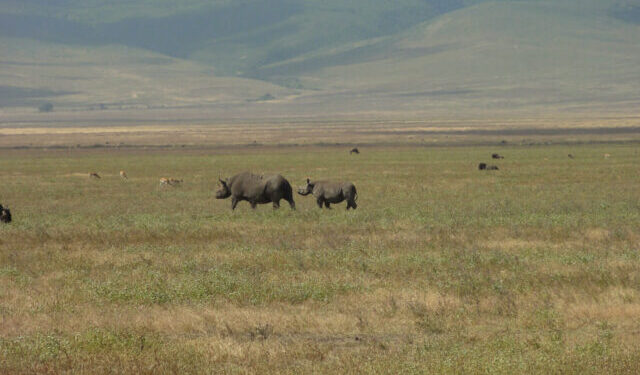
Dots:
(596, 234)
(514, 244)
(349, 315)
(80, 174)
(83, 130)
(616, 310)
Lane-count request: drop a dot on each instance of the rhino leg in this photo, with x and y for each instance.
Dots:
(276, 204)
(253, 205)
(320, 202)
(234, 203)
(292, 203)
(351, 204)
(327, 204)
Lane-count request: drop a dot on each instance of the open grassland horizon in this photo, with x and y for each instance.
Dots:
(534, 268)
(72, 130)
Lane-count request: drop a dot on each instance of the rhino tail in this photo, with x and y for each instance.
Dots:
(287, 191)
(288, 194)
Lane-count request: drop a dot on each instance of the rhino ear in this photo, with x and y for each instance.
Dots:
(223, 182)
(308, 180)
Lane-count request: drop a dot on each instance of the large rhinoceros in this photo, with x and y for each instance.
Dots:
(256, 189)
(327, 192)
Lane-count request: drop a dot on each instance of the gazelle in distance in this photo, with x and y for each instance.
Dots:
(164, 181)
(123, 174)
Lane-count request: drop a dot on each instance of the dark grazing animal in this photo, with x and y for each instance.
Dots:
(5, 214)
(570, 156)
(354, 151)
(497, 156)
(327, 192)
(256, 189)
(485, 167)
(94, 175)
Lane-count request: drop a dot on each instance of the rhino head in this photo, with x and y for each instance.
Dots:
(306, 189)
(224, 191)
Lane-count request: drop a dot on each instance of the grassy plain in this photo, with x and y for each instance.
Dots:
(442, 269)
(172, 128)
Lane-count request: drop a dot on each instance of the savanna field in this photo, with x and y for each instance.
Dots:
(534, 268)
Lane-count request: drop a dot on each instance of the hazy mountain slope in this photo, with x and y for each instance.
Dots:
(493, 55)
(114, 77)
(236, 37)
(343, 56)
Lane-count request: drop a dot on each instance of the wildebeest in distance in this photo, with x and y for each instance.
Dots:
(256, 189)
(94, 175)
(497, 156)
(5, 214)
(485, 167)
(570, 156)
(328, 192)
(354, 151)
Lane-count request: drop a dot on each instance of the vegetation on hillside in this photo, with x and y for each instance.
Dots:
(493, 55)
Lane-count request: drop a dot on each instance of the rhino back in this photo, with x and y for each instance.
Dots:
(247, 185)
(348, 186)
(327, 189)
(275, 183)
(349, 190)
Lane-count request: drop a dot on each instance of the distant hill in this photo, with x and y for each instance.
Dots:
(493, 56)
(312, 55)
(237, 37)
(114, 77)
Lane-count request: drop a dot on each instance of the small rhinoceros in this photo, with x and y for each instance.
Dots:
(327, 192)
(256, 189)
